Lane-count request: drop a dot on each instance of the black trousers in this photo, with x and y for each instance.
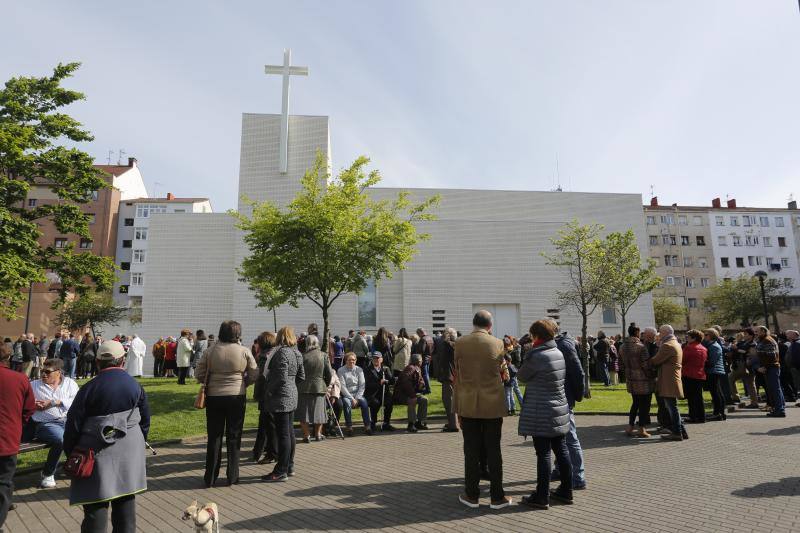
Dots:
(375, 407)
(224, 416)
(183, 371)
(714, 382)
(693, 391)
(478, 433)
(158, 368)
(8, 464)
(662, 414)
(284, 433)
(544, 465)
(123, 516)
(265, 437)
(640, 406)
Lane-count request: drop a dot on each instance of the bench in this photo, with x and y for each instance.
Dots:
(32, 446)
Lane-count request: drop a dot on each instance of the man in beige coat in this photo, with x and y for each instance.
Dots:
(479, 400)
(669, 387)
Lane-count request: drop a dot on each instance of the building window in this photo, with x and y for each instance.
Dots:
(748, 220)
(687, 261)
(140, 234)
(667, 219)
(125, 265)
(720, 221)
(691, 303)
(129, 222)
(701, 241)
(609, 315)
(724, 262)
(782, 242)
(737, 241)
(86, 244)
(702, 262)
(95, 195)
(670, 260)
(740, 262)
(653, 240)
(751, 240)
(670, 281)
(769, 261)
(368, 305)
(682, 220)
(722, 240)
(127, 243)
(139, 256)
(758, 260)
(690, 283)
(145, 210)
(734, 221)
(92, 218)
(123, 289)
(60, 242)
(684, 240)
(697, 220)
(784, 262)
(137, 279)
(764, 221)
(179, 211)
(751, 261)
(778, 222)
(704, 282)
(31, 202)
(767, 241)
(651, 220)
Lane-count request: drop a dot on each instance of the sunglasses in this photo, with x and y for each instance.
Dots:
(48, 372)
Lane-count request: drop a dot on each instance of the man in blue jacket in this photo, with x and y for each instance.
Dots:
(573, 387)
(69, 351)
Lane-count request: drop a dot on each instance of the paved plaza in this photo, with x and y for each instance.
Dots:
(739, 475)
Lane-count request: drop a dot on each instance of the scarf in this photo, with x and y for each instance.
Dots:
(666, 339)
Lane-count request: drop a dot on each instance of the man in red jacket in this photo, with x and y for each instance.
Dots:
(17, 404)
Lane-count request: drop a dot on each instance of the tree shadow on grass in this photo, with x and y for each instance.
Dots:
(788, 486)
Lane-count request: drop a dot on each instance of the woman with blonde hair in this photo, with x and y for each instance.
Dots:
(285, 370)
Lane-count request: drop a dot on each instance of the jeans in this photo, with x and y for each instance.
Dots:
(8, 465)
(224, 415)
(69, 366)
(182, 373)
(575, 455)
(774, 390)
(640, 406)
(426, 376)
(512, 389)
(158, 367)
(347, 404)
(478, 434)
(123, 516)
(265, 436)
(447, 400)
(51, 433)
(725, 387)
(676, 421)
(418, 410)
(558, 445)
(693, 391)
(602, 373)
(284, 432)
(715, 382)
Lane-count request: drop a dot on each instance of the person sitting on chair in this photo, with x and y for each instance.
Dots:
(408, 391)
(378, 392)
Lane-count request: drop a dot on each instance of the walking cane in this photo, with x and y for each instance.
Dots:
(333, 414)
(150, 448)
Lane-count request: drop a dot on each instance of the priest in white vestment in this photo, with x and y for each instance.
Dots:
(136, 356)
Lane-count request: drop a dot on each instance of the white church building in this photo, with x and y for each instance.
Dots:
(484, 251)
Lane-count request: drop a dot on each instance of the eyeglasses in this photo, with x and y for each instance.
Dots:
(48, 372)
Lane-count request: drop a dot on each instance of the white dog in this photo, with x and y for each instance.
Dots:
(205, 518)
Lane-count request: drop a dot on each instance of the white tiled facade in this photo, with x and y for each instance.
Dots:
(485, 250)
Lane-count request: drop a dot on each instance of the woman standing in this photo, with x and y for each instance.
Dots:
(715, 372)
(634, 361)
(183, 357)
(311, 392)
(693, 375)
(200, 346)
(613, 364)
(280, 394)
(401, 352)
(87, 357)
(545, 414)
(170, 362)
(265, 436)
(227, 369)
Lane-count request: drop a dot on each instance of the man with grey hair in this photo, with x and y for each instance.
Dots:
(444, 370)
(408, 391)
(480, 402)
(669, 359)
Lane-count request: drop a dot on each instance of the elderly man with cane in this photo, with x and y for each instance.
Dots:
(377, 391)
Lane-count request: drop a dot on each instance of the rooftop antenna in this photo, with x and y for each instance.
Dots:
(791, 197)
(122, 153)
(155, 188)
(652, 191)
(110, 153)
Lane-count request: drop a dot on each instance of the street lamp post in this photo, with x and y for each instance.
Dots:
(28, 311)
(761, 275)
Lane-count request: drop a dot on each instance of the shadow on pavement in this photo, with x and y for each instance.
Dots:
(788, 486)
(780, 432)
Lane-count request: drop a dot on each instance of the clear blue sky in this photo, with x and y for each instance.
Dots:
(698, 98)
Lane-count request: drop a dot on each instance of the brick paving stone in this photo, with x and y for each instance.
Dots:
(737, 475)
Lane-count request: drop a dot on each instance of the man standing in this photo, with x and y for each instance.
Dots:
(480, 402)
(68, 353)
(424, 347)
(769, 365)
(361, 348)
(573, 387)
(29, 354)
(668, 384)
(16, 407)
(649, 341)
(54, 350)
(793, 358)
(136, 357)
(444, 368)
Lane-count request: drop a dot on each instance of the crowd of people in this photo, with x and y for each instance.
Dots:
(299, 378)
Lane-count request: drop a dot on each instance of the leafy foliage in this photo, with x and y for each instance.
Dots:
(331, 239)
(667, 310)
(739, 300)
(91, 310)
(626, 277)
(31, 125)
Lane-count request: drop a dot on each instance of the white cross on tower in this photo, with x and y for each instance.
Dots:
(285, 70)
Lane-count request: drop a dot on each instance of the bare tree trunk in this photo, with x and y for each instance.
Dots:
(324, 343)
(585, 354)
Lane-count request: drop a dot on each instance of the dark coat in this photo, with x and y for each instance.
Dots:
(636, 361)
(545, 412)
(285, 372)
(601, 349)
(444, 361)
(409, 383)
(372, 381)
(574, 381)
(29, 351)
(714, 362)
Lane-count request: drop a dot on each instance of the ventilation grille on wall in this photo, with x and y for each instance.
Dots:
(438, 320)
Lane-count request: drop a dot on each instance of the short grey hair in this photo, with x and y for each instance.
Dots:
(312, 343)
(650, 330)
(450, 334)
(667, 329)
(416, 359)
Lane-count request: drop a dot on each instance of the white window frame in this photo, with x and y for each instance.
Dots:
(784, 262)
(722, 240)
(767, 241)
(651, 220)
(139, 256)
(734, 220)
(778, 222)
(137, 279)
(719, 220)
(140, 233)
(705, 283)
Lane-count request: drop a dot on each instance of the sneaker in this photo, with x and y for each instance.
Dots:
(267, 459)
(273, 478)
(319, 438)
(751, 406)
(48, 482)
(531, 502)
(472, 503)
(368, 431)
(306, 440)
(290, 472)
(348, 431)
(505, 502)
(672, 436)
(561, 497)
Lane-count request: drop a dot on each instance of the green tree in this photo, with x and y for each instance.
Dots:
(579, 252)
(91, 310)
(667, 310)
(738, 300)
(332, 239)
(31, 128)
(626, 276)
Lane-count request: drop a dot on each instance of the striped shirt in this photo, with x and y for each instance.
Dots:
(64, 393)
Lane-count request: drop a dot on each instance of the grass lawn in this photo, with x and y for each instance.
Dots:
(173, 415)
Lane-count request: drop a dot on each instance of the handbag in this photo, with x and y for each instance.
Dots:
(200, 400)
(80, 463)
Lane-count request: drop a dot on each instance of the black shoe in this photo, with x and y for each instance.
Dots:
(684, 435)
(419, 425)
(273, 478)
(531, 502)
(561, 497)
(411, 428)
(448, 429)
(388, 427)
(775, 414)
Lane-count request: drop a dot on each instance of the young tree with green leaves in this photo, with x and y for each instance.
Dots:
(667, 310)
(333, 238)
(579, 252)
(626, 276)
(32, 128)
(738, 300)
(91, 310)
